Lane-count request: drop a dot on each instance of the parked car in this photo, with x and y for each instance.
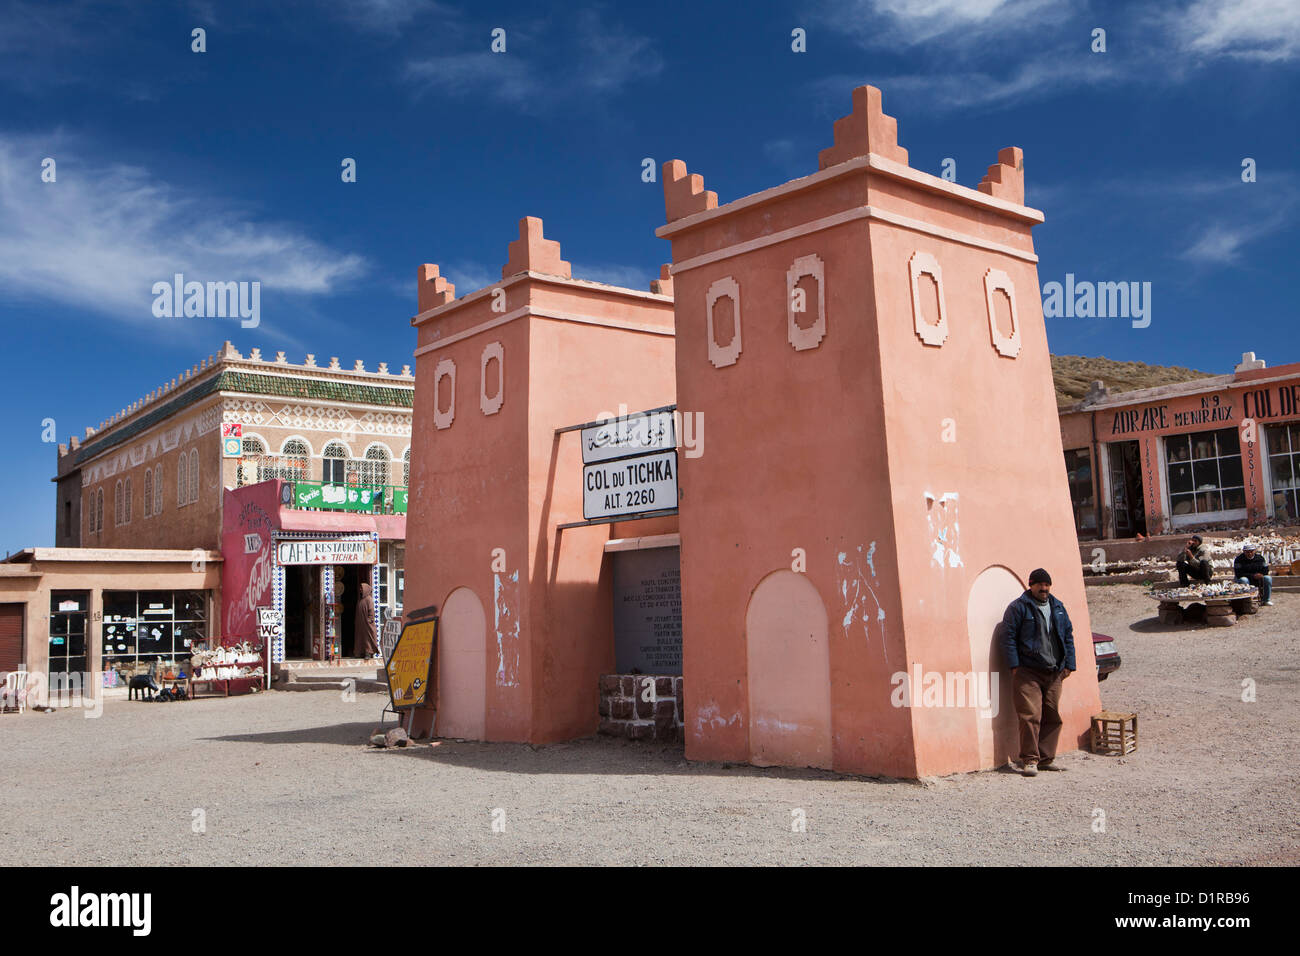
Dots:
(1107, 657)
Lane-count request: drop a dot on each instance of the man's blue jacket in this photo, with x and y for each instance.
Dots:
(1022, 634)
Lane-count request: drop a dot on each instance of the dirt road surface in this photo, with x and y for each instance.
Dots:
(282, 778)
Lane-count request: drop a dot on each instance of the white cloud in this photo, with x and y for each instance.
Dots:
(888, 23)
(1267, 30)
(100, 236)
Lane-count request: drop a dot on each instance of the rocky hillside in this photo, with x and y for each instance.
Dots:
(1074, 373)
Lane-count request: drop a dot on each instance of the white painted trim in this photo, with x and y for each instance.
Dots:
(800, 338)
(421, 317)
(873, 161)
(720, 356)
(528, 310)
(995, 280)
(443, 419)
(644, 543)
(839, 219)
(923, 263)
(310, 403)
(490, 406)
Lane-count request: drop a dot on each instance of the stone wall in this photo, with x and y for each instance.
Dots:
(641, 706)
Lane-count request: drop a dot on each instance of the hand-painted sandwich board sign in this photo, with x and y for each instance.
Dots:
(410, 668)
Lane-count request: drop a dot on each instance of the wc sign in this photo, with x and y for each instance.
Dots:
(232, 440)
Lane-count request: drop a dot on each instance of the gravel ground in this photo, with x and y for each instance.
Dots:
(284, 779)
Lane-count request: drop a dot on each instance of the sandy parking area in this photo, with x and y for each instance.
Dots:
(284, 779)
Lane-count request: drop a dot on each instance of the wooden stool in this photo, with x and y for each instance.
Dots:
(1114, 735)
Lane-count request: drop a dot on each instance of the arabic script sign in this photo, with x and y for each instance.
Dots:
(635, 434)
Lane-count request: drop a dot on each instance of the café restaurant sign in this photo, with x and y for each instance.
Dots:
(336, 551)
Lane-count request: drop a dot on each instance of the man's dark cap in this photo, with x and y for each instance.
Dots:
(1039, 576)
(1197, 538)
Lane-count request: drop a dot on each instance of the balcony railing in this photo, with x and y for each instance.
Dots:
(366, 499)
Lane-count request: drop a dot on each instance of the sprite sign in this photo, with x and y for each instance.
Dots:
(315, 494)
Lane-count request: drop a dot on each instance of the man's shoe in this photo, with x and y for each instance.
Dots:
(1029, 770)
(1048, 765)
(1268, 604)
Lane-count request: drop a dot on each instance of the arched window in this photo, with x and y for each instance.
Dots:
(99, 510)
(194, 474)
(406, 468)
(126, 503)
(117, 503)
(148, 493)
(182, 480)
(157, 489)
(374, 469)
(333, 463)
(294, 458)
(251, 463)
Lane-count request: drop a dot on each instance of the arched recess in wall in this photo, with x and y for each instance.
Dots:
(993, 589)
(787, 648)
(462, 667)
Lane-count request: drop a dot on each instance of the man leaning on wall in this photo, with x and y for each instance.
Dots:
(1038, 643)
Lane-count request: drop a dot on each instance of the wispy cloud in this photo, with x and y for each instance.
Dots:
(996, 53)
(951, 22)
(543, 66)
(1267, 30)
(390, 16)
(100, 236)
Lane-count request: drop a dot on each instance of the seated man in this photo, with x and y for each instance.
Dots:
(1251, 568)
(1194, 562)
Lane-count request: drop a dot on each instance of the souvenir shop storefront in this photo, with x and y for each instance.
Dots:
(309, 568)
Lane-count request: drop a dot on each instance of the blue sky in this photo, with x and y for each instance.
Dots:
(226, 164)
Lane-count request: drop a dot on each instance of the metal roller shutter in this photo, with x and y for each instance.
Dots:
(11, 637)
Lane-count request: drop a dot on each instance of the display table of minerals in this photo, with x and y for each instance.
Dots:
(1218, 605)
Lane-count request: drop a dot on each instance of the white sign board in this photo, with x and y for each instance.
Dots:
(270, 628)
(629, 486)
(314, 551)
(388, 638)
(634, 434)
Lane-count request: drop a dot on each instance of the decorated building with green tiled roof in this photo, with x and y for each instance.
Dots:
(152, 475)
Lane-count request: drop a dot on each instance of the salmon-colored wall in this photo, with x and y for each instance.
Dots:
(838, 448)
(579, 373)
(506, 481)
(794, 458)
(963, 419)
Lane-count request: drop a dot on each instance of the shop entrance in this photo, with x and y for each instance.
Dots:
(1128, 507)
(301, 609)
(348, 579)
